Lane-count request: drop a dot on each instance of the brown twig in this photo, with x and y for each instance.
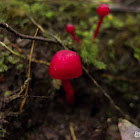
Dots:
(10, 50)
(22, 56)
(22, 36)
(42, 29)
(33, 96)
(18, 94)
(72, 131)
(35, 23)
(106, 94)
(120, 78)
(40, 62)
(16, 47)
(29, 71)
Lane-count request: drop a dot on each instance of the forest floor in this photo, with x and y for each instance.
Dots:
(46, 115)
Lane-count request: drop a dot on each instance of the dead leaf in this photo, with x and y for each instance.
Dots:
(128, 130)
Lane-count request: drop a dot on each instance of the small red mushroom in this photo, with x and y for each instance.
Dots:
(66, 65)
(71, 30)
(102, 10)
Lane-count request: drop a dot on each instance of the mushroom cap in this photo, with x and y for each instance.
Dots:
(103, 10)
(65, 64)
(70, 28)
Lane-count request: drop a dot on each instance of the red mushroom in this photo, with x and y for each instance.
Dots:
(102, 10)
(71, 30)
(66, 65)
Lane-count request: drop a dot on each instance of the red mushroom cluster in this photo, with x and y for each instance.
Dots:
(102, 10)
(66, 65)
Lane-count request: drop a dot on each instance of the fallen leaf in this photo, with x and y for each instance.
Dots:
(128, 130)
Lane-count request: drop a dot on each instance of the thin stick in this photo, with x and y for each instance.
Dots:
(16, 47)
(29, 71)
(18, 94)
(15, 96)
(42, 29)
(3, 45)
(120, 78)
(22, 56)
(106, 94)
(41, 97)
(40, 61)
(35, 23)
(72, 131)
(22, 36)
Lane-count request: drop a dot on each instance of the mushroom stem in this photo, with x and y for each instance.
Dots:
(98, 27)
(69, 91)
(75, 38)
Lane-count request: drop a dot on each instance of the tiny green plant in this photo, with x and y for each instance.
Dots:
(6, 58)
(89, 51)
